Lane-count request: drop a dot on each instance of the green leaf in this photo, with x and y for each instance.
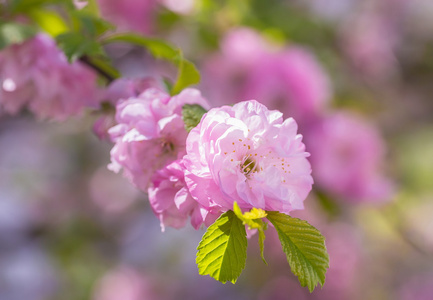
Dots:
(330, 206)
(104, 67)
(168, 84)
(187, 72)
(222, 252)
(186, 76)
(14, 33)
(191, 115)
(158, 48)
(304, 247)
(49, 21)
(76, 45)
(253, 219)
(91, 7)
(24, 6)
(89, 23)
(262, 241)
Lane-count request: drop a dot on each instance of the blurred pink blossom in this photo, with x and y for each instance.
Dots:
(291, 81)
(125, 283)
(248, 67)
(80, 4)
(369, 41)
(247, 153)
(346, 156)
(150, 133)
(183, 7)
(136, 15)
(172, 202)
(37, 74)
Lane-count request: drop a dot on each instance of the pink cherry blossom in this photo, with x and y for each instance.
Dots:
(150, 133)
(172, 202)
(346, 155)
(37, 74)
(136, 15)
(289, 79)
(247, 153)
(122, 88)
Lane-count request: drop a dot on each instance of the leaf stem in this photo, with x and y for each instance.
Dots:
(104, 73)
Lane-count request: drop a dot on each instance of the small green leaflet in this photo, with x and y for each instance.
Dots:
(187, 75)
(304, 247)
(49, 21)
(75, 45)
(222, 252)
(253, 219)
(14, 33)
(187, 72)
(191, 115)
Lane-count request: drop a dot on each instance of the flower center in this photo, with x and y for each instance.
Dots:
(167, 146)
(248, 166)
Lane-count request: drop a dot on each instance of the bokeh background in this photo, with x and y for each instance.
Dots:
(358, 78)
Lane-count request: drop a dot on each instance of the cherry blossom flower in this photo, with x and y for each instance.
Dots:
(247, 153)
(122, 88)
(172, 202)
(150, 133)
(37, 74)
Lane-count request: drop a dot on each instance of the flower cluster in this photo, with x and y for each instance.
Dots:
(245, 153)
(37, 74)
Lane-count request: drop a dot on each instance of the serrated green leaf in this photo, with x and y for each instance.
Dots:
(253, 219)
(14, 33)
(191, 115)
(262, 241)
(187, 72)
(304, 247)
(222, 251)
